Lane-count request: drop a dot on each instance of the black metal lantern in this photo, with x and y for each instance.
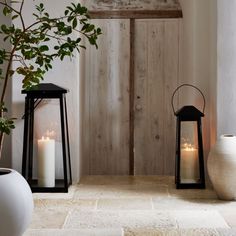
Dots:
(46, 139)
(189, 172)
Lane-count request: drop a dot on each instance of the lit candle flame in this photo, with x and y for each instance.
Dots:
(47, 138)
(188, 147)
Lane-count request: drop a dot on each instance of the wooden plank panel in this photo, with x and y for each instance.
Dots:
(135, 14)
(154, 81)
(132, 5)
(171, 77)
(148, 76)
(107, 89)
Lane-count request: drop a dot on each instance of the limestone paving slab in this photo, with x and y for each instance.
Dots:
(48, 219)
(188, 204)
(227, 232)
(230, 217)
(126, 180)
(120, 191)
(74, 232)
(171, 232)
(125, 204)
(118, 219)
(226, 205)
(192, 193)
(155, 179)
(69, 195)
(67, 204)
(144, 205)
(199, 219)
(106, 180)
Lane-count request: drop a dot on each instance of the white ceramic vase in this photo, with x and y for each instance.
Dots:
(221, 167)
(16, 203)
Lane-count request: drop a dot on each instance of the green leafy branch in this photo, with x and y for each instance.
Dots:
(32, 46)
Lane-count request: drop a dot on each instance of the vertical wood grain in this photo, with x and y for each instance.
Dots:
(156, 76)
(131, 97)
(171, 81)
(106, 130)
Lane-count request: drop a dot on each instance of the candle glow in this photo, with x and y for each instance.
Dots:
(189, 158)
(46, 162)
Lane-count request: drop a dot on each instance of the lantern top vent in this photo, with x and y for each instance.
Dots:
(45, 89)
(188, 113)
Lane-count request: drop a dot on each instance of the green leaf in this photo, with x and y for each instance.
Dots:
(99, 31)
(89, 28)
(4, 28)
(74, 23)
(92, 41)
(78, 40)
(14, 17)
(69, 8)
(6, 11)
(43, 48)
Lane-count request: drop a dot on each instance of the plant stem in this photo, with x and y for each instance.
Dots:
(6, 5)
(1, 143)
(20, 14)
(7, 77)
(10, 63)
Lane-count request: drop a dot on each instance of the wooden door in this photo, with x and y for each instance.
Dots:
(105, 112)
(106, 125)
(156, 76)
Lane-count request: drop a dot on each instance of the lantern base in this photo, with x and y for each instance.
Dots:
(190, 186)
(59, 187)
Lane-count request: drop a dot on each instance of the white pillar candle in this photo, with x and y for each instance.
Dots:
(46, 162)
(189, 163)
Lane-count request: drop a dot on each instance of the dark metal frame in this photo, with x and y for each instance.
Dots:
(194, 115)
(201, 182)
(32, 100)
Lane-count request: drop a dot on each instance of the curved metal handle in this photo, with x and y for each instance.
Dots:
(188, 85)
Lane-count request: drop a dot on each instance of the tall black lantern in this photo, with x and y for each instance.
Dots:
(46, 139)
(189, 172)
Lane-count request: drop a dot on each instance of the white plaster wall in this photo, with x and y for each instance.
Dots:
(64, 74)
(196, 58)
(226, 68)
(7, 152)
(213, 70)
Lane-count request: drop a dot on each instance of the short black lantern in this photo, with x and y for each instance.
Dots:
(46, 139)
(189, 172)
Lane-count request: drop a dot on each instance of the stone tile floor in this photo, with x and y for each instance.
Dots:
(131, 206)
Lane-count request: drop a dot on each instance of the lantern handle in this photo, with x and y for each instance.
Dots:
(189, 85)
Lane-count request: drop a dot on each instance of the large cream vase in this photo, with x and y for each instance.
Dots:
(221, 167)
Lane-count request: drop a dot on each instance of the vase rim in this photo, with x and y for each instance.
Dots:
(5, 171)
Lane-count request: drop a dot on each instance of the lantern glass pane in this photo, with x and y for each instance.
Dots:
(47, 143)
(189, 153)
